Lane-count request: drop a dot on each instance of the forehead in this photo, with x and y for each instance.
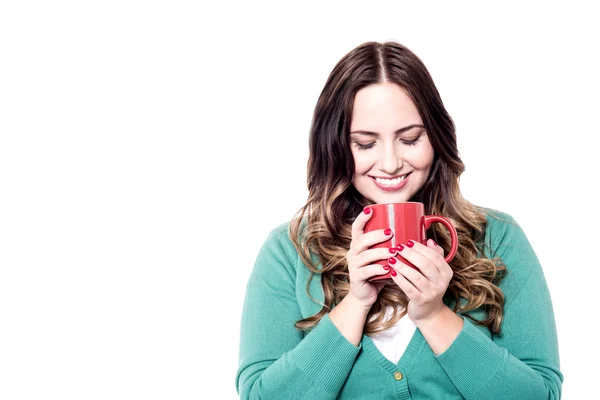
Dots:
(383, 107)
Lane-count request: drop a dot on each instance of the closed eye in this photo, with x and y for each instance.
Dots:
(404, 141)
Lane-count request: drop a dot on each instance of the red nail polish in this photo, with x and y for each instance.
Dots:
(367, 210)
(387, 232)
(410, 243)
(386, 267)
(392, 261)
(392, 250)
(393, 272)
(400, 247)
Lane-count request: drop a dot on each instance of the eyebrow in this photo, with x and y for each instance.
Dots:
(401, 130)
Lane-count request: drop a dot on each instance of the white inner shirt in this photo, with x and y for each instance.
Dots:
(393, 342)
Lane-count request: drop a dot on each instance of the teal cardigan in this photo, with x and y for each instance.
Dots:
(279, 362)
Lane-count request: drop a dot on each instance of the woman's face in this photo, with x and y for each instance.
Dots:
(388, 141)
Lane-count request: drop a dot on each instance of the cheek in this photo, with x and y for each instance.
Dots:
(421, 158)
(362, 163)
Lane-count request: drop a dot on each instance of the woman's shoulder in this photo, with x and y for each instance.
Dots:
(501, 229)
(279, 235)
(507, 241)
(277, 258)
(504, 235)
(279, 239)
(496, 217)
(282, 233)
(498, 223)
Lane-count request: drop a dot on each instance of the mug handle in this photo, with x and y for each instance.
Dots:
(430, 219)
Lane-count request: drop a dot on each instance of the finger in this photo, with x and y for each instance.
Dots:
(369, 271)
(429, 252)
(370, 239)
(358, 226)
(427, 260)
(408, 288)
(358, 243)
(373, 255)
(445, 269)
(418, 280)
(433, 245)
(439, 261)
(425, 267)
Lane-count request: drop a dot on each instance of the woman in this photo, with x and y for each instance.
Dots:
(313, 324)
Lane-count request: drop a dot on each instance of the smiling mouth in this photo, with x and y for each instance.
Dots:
(391, 184)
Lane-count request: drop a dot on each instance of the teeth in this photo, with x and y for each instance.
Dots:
(390, 182)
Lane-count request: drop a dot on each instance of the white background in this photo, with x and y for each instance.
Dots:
(148, 148)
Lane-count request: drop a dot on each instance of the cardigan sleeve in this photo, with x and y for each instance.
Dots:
(522, 362)
(276, 360)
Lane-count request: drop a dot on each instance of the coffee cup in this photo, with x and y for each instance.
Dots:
(407, 221)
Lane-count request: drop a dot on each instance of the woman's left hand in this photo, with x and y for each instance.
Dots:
(425, 288)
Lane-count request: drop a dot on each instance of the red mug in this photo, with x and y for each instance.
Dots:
(408, 222)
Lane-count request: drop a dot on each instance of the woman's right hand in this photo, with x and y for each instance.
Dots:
(361, 260)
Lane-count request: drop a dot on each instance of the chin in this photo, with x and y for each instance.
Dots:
(405, 194)
(394, 200)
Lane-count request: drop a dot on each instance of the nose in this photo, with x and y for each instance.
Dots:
(391, 160)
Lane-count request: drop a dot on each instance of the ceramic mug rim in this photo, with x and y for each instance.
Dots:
(395, 202)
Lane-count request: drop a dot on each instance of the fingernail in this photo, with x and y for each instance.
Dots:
(393, 272)
(392, 250)
(400, 247)
(386, 267)
(367, 210)
(410, 243)
(387, 232)
(392, 261)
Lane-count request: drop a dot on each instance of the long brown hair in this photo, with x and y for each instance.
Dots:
(322, 227)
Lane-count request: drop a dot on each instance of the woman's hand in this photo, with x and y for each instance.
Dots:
(360, 260)
(425, 288)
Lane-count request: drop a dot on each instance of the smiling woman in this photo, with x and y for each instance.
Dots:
(392, 159)
(314, 326)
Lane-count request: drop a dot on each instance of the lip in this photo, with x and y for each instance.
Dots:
(393, 188)
(389, 177)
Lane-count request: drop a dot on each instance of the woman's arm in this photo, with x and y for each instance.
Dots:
(523, 361)
(276, 360)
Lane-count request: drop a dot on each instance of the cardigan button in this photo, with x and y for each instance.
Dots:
(398, 376)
